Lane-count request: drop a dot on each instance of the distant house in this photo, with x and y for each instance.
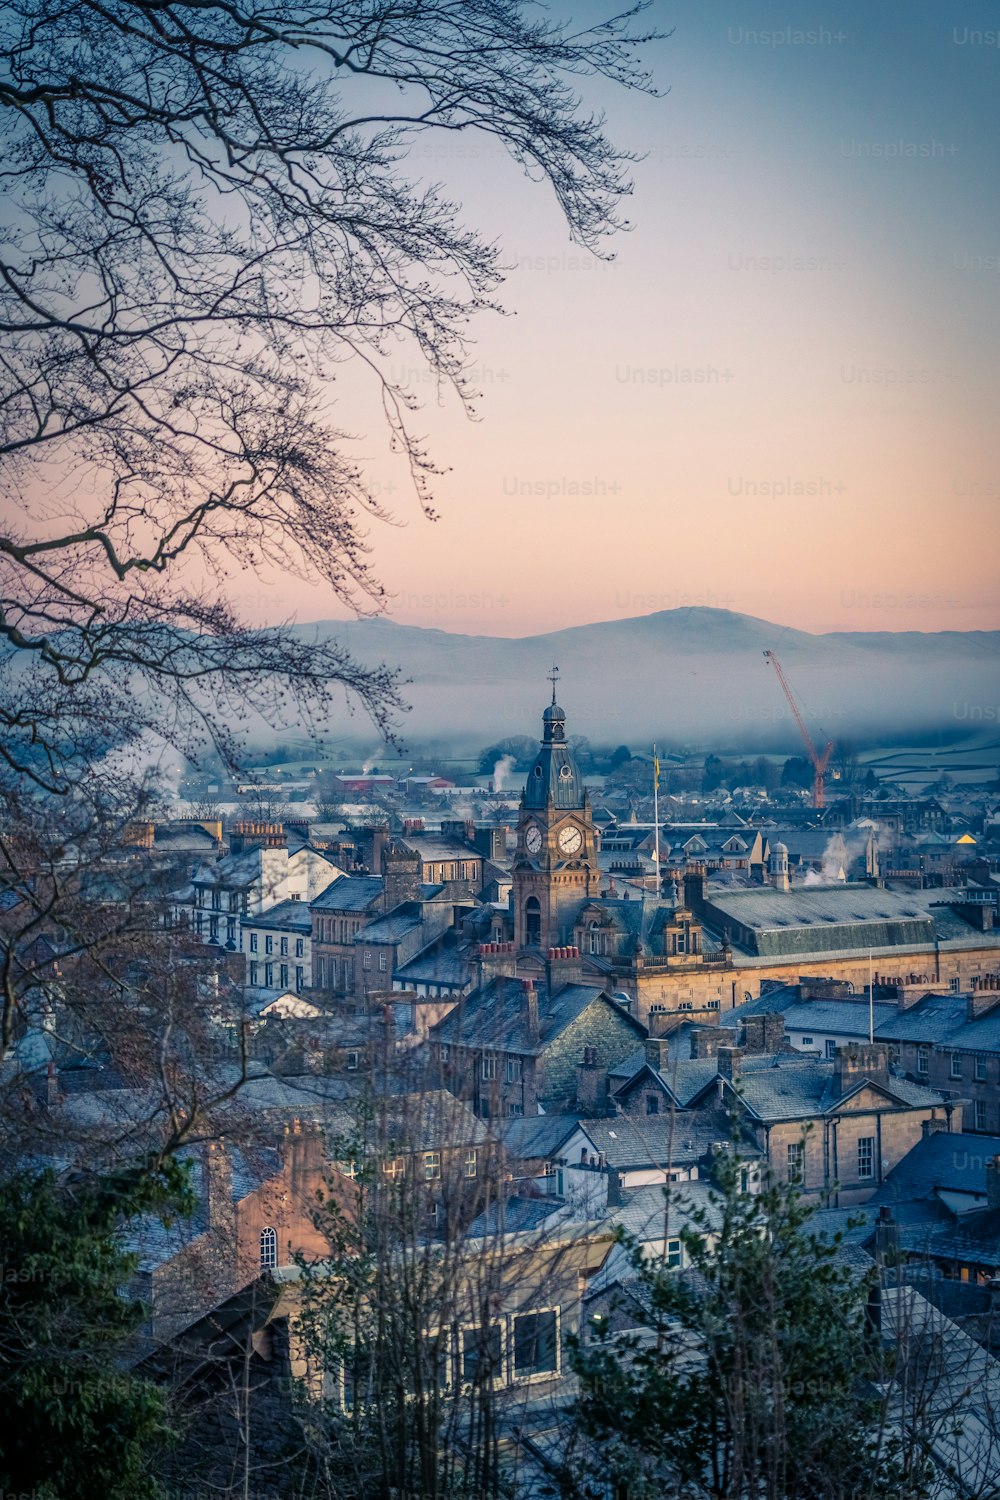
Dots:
(222, 895)
(278, 947)
(509, 1047)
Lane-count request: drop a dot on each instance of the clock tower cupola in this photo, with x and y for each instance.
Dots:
(556, 863)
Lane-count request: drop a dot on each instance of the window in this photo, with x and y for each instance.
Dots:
(489, 1065)
(956, 984)
(532, 922)
(300, 979)
(432, 1166)
(213, 929)
(444, 1052)
(254, 973)
(866, 1158)
(536, 1344)
(807, 1041)
(980, 1114)
(956, 1065)
(383, 962)
(268, 1249)
(652, 1104)
(744, 1179)
(216, 900)
(300, 947)
(712, 1005)
(481, 1354)
(923, 1061)
(981, 1069)
(795, 1160)
(283, 976)
(352, 1062)
(673, 1253)
(831, 1049)
(394, 1169)
(366, 962)
(513, 1070)
(471, 1163)
(268, 944)
(284, 947)
(231, 931)
(594, 929)
(234, 901)
(268, 976)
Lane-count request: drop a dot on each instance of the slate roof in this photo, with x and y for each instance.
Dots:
(235, 870)
(432, 1120)
(792, 1087)
(631, 1142)
(441, 962)
(349, 893)
(942, 1021)
(531, 1137)
(948, 1162)
(393, 926)
(776, 923)
(684, 1079)
(288, 916)
(496, 1017)
(849, 1017)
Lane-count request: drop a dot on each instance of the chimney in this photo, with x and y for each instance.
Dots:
(531, 1003)
(706, 1040)
(401, 872)
(219, 1188)
(859, 1061)
(52, 1085)
(614, 1188)
(933, 1126)
(993, 1182)
(729, 1060)
(563, 966)
(657, 1051)
(304, 1158)
(694, 889)
(591, 1085)
(981, 1001)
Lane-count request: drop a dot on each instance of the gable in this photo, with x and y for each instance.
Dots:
(869, 1099)
(602, 1025)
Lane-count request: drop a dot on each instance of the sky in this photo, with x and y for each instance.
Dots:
(780, 398)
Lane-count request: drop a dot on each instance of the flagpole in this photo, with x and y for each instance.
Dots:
(656, 820)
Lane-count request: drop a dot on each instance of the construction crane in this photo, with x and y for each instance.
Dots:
(820, 759)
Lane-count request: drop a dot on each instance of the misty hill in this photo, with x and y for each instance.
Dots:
(693, 675)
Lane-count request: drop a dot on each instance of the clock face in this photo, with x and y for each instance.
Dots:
(533, 839)
(570, 840)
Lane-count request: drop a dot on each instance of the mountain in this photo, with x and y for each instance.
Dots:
(696, 676)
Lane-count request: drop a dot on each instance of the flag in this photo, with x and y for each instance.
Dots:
(656, 771)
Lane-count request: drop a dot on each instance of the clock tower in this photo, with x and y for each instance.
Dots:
(555, 867)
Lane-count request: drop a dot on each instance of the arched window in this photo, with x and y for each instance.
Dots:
(594, 939)
(268, 1249)
(532, 922)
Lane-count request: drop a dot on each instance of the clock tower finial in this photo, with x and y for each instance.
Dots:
(553, 677)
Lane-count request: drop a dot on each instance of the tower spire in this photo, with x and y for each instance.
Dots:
(553, 677)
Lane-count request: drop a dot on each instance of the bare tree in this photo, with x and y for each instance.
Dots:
(206, 219)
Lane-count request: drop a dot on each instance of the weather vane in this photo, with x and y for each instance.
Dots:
(553, 677)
